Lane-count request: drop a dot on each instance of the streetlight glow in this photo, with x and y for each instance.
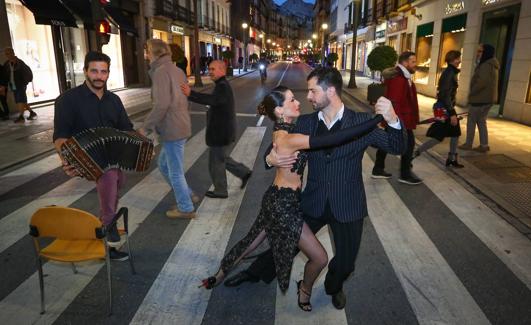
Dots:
(261, 35)
(268, 40)
(324, 26)
(244, 25)
(314, 36)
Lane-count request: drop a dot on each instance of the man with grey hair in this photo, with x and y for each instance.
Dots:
(220, 130)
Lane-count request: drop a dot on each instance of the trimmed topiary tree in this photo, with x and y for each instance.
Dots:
(380, 58)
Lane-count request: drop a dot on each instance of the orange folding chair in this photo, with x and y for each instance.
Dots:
(78, 236)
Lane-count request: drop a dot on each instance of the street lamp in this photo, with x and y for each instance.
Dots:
(324, 27)
(244, 26)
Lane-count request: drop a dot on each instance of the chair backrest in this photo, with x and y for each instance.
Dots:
(65, 223)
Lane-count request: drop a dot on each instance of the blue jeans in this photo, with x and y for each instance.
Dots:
(171, 165)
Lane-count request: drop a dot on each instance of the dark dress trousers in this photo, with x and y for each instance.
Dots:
(334, 193)
(3, 96)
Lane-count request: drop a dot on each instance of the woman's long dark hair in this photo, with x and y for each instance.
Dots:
(274, 99)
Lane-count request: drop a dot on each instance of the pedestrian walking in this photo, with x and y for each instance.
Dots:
(482, 95)
(19, 75)
(170, 119)
(334, 194)
(220, 130)
(87, 106)
(3, 93)
(449, 126)
(401, 91)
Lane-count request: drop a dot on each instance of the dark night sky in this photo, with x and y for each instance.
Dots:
(279, 2)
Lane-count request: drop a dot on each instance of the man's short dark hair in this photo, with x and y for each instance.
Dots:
(404, 56)
(451, 56)
(94, 56)
(327, 77)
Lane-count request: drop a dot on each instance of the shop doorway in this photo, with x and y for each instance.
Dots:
(499, 29)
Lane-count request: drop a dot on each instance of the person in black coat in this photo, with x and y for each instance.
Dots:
(220, 130)
(448, 125)
(19, 75)
(3, 93)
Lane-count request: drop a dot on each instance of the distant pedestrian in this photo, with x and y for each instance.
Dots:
(240, 63)
(171, 120)
(482, 95)
(3, 93)
(203, 63)
(449, 125)
(401, 91)
(19, 75)
(220, 130)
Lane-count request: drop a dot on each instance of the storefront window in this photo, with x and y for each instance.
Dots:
(114, 51)
(75, 47)
(33, 44)
(423, 51)
(452, 38)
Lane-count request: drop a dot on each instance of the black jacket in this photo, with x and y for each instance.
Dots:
(3, 76)
(23, 75)
(447, 88)
(221, 117)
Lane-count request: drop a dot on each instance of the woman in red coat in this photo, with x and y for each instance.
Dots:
(401, 91)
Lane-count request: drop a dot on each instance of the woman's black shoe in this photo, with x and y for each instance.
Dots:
(305, 306)
(453, 162)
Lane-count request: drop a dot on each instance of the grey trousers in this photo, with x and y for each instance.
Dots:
(477, 115)
(220, 160)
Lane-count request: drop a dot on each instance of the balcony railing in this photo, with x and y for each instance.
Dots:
(172, 9)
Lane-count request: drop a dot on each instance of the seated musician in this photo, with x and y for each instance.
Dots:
(87, 106)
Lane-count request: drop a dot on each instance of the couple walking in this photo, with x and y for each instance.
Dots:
(334, 139)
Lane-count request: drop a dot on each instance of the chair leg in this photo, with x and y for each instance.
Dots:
(74, 268)
(41, 283)
(109, 280)
(131, 262)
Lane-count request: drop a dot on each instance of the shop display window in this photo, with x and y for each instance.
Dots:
(114, 51)
(423, 51)
(452, 38)
(33, 44)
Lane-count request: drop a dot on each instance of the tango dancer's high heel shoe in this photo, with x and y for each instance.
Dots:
(211, 282)
(305, 306)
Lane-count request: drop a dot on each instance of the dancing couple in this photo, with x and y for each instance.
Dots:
(332, 140)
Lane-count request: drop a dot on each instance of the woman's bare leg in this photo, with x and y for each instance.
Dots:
(317, 260)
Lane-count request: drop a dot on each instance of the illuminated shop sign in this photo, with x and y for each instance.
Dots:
(454, 7)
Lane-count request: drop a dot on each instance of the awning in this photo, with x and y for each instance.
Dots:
(123, 22)
(50, 12)
(455, 23)
(424, 30)
(81, 9)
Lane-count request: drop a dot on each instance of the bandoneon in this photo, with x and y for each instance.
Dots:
(94, 151)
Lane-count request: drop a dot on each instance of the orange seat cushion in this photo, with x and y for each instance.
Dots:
(74, 250)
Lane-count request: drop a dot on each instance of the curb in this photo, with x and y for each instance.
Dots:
(493, 204)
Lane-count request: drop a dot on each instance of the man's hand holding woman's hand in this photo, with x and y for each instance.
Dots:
(385, 108)
(278, 160)
(185, 88)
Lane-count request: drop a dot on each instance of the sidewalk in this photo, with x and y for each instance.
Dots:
(503, 174)
(22, 142)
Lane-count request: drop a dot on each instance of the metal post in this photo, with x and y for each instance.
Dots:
(245, 58)
(41, 283)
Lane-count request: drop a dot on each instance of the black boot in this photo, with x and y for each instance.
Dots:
(451, 161)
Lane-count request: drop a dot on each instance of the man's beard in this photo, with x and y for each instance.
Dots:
(92, 83)
(319, 106)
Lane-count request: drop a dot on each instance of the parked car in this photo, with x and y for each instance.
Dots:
(296, 59)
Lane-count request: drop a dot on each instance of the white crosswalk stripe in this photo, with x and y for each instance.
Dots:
(504, 240)
(22, 175)
(61, 286)
(174, 297)
(435, 293)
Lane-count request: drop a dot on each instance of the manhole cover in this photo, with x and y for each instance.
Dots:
(493, 161)
(510, 174)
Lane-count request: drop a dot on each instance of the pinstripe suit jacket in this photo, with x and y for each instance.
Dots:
(337, 177)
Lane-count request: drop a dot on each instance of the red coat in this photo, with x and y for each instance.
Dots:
(403, 97)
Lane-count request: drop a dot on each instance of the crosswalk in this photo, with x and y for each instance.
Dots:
(440, 286)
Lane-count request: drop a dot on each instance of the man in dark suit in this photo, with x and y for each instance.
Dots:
(334, 193)
(220, 130)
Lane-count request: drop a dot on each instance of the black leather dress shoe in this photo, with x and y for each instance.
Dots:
(245, 179)
(240, 278)
(339, 300)
(215, 195)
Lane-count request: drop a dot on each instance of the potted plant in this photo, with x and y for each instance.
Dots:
(380, 58)
(227, 57)
(332, 58)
